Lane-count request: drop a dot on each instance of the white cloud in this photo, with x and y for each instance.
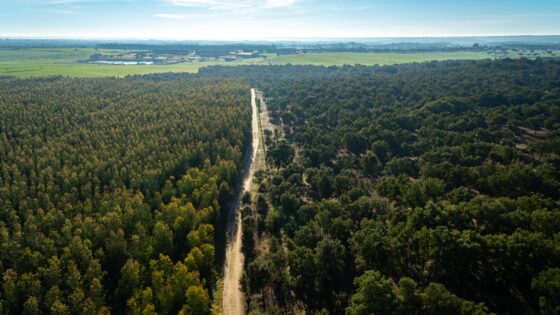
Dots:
(74, 2)
(211, 4)
(57, 11)
(67, 1)
(234, 4)
(192, 3)
(174, 16)
(170, 16)
(280, 3)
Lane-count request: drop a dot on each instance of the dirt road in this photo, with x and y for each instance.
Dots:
(233, 269)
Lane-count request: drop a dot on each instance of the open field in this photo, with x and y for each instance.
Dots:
(91, 70)
(342, 58)
(66, 61)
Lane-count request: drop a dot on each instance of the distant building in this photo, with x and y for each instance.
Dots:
(244, 54)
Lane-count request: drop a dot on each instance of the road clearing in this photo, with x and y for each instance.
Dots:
(233, 302)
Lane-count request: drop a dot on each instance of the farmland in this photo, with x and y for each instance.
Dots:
(342, 58)
(27, 62)
(69, 62)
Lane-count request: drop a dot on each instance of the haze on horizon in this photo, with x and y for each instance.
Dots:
(273, 19)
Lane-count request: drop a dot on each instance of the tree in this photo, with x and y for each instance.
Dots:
(408, 297)
(321, 180)
(355, 143)
(303, 272)
(129, 281)
(437, 300)
(371, 248)
(370, 163)
(280, 153)
(163, 238)
(31, 306)
(59, 308)
(248, 242)
(374, 295)
(246, 199)
(547, 288)
(329, 255)
(198, 301)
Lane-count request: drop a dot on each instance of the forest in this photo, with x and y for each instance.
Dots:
(112, 192)
(413, 189)
(421, 188)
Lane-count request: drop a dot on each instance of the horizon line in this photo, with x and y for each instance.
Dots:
(275, 38)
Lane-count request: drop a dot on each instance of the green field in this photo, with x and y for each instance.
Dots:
(28, 62)
(66, 61)
(347, 58)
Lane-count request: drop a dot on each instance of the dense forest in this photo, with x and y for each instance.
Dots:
(428, 188)
(413, 189)
(112, 192)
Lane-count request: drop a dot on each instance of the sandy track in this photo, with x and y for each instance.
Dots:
(233, 270)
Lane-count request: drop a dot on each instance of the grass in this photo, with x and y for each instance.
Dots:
(66, 61)
(349, 58)
(90, 70)
(26, 62)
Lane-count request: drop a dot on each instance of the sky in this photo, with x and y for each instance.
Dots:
(275, 19)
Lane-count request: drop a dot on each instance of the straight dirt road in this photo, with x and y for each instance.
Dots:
(233, 270)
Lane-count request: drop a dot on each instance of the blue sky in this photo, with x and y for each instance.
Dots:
(274, 19)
